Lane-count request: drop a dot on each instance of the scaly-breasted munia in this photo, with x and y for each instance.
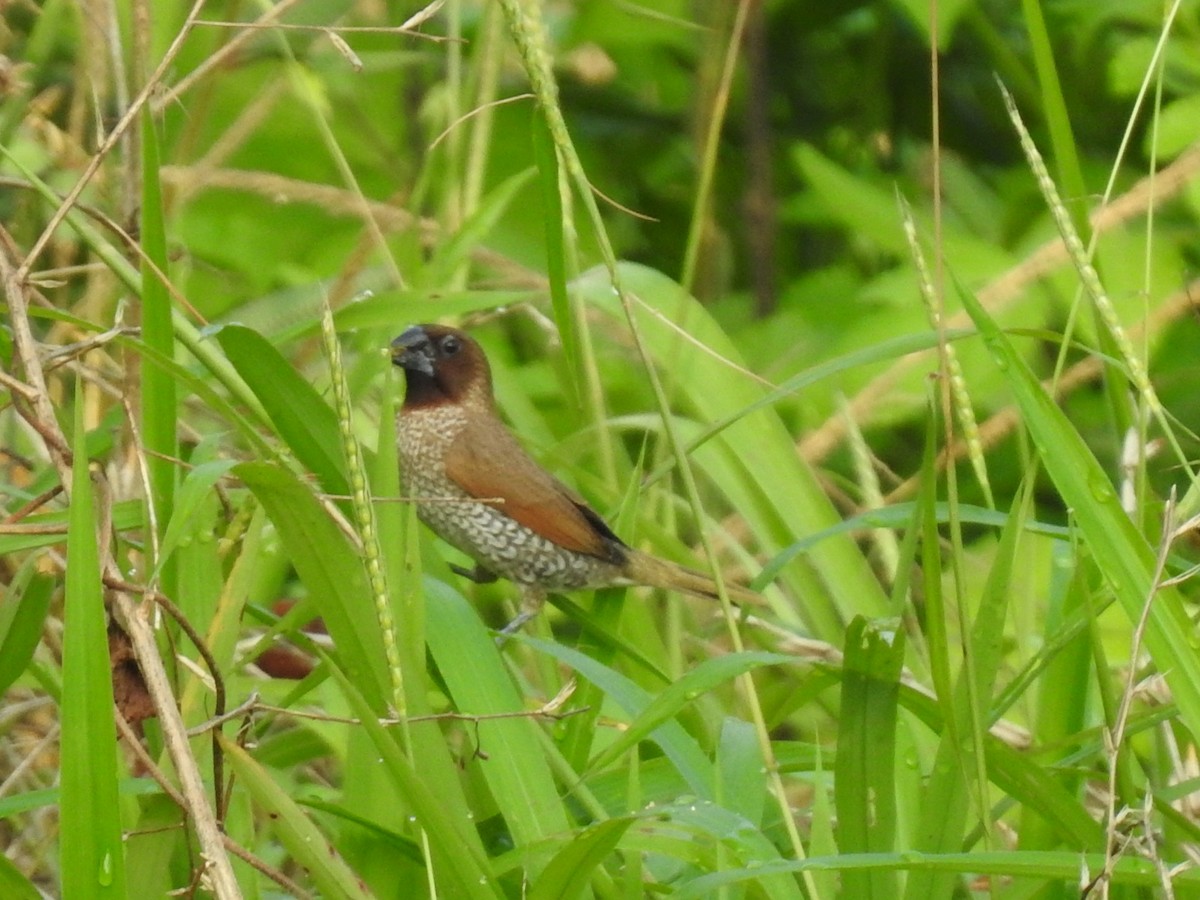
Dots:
(478, 489)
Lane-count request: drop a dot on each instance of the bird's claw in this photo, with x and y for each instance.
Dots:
(532, 601)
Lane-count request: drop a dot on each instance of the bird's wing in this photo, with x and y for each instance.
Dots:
(486, 461)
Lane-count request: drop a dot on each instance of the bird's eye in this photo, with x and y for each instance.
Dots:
(451, 345)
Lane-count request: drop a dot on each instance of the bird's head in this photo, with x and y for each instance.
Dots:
(442, 364)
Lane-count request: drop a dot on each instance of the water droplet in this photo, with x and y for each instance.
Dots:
(1101, 489)
(105, 874)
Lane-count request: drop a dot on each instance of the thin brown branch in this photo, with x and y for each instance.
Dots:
(152, 769)
(41, 415)
(114, 137)
(168, 606)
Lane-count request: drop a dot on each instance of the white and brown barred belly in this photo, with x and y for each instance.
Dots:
(482, 531)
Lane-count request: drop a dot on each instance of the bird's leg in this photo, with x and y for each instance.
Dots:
(477, 574)
(532, 601)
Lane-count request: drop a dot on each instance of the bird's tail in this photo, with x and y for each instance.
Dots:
(660, 573)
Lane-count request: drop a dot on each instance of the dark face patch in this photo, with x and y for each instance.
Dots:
(440, 364)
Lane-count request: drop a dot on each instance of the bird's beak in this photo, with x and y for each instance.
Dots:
(413, 350)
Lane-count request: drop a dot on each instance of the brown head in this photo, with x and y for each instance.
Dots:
(442, 365)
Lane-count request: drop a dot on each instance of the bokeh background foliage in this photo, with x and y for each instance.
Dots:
(951, 442)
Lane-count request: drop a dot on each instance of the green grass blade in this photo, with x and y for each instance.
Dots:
(1121, 552)
(13, 884)
(553, 214)
(92, 851)
(1059, 866)
(680, 747)
(296, 831)
(681, 693)
(196, 488)
(569, 872)
(22, 615)
(440, 270)
(865, 772)
(159, 405)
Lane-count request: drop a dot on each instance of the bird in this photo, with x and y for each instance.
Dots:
(478, 489)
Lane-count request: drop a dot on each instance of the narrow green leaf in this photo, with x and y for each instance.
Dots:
(553, 220)
(13, 884)
(568, 874)
(91, 852)
(196, 488)
(451, 254)
(1019, 776)
(943, 803)
(680, 747)
(158, 394)
(1118, 547)
(296, 831)
(1060, 866)
(865, 771)
(680, 694)
(23, 611)
(1062, 699)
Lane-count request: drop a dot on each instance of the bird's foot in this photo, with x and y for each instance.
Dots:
(532, 601)
(517, 623)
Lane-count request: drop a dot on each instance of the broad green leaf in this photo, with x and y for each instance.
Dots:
(768, 484)
(516, 770)
(300, 415)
